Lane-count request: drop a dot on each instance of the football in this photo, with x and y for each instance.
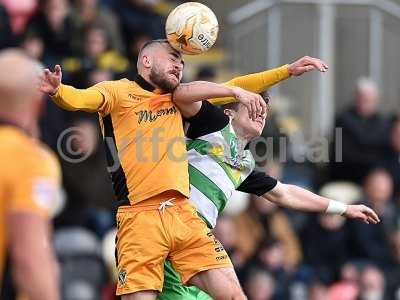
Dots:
(192, 28)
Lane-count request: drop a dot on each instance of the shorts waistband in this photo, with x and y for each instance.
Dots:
(154, 202)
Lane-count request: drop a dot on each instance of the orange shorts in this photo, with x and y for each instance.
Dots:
(147, 235)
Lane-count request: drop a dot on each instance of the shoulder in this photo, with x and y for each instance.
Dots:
(208, 120)
(25, 155)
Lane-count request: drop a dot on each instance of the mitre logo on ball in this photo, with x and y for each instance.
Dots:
(192, 28)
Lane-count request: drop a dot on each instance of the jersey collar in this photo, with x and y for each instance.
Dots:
(4, 122)
(144, 84)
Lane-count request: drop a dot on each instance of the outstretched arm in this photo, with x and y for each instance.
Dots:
(260, 82)
(67, 96)
(188, 97)
(295, 197)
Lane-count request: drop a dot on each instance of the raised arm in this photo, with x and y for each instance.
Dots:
(260, 82)
(295, 197)
(188, 97)
(67, 96)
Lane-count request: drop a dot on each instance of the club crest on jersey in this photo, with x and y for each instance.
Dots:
(122, 277)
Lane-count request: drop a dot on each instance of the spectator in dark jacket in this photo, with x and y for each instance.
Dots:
(365, 135)
(54, 25)
(373, 242)
(392, 160)
(6, 38)
(137, 15)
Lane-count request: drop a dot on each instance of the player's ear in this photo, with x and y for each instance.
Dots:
(229, 112)
(146, 61)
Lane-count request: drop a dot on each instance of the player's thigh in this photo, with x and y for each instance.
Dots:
(195, 249)
(141, 250)
(142, 295)
(220, 283)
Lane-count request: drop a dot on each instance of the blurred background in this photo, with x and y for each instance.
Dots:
(337, 134)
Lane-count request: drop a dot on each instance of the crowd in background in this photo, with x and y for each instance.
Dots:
(278, 254)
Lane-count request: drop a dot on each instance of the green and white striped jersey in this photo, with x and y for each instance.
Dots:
(216, 169)
(217, 165)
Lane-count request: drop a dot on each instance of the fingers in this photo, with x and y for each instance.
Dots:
(367, 215)
(258, 102)
(263, 106)
(317, 63)
(57, 70)
(371, 215)
(253, 110)
(304, 69)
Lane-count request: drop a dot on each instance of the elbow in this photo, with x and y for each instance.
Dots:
(282, 196)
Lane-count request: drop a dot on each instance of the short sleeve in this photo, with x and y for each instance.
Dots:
(37, 189)
(107, 89)
(209, 119)
(257, 183)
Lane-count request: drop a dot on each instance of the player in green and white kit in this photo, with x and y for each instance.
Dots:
(220, 164)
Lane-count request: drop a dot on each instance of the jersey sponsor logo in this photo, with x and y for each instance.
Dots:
(133, 97)
(223, 257)
(149, 116)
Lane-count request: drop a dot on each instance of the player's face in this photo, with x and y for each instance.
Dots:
(167, 68)
(249, 127)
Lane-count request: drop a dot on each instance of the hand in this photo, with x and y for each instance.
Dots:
(307, 64)
(361, 212)
(255, 103)
(50, 81)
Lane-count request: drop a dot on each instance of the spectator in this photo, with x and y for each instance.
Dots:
(318, 291)
(6, 37)
(265, 220)
(392, 160)
(393, 272)
(372, 284)
(271, 257)
(97, 55)
(225, 232)
(321, 234)
(206, 73)
(347, 287)
(260, 285)
(372, 242)
(82, 177)
(20, 12)
(364, 134)
(33, 46)
(55, 27)
(88, 12)
(135, 15)
(136, 43)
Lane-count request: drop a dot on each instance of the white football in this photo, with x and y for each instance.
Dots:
(192, 28)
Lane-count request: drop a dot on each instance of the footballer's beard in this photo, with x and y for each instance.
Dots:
(161, 80)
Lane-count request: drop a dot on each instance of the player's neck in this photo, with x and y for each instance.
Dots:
(17, 117)
(146, 76)
(243, 137)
